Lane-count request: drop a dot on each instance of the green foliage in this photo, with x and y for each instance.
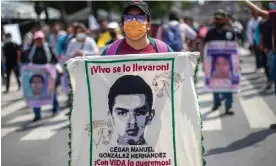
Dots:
(186, 4)
(159, 8)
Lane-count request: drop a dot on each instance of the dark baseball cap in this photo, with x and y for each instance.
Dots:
(140, 4)
(220, 14)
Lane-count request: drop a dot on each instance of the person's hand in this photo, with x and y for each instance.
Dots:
(251, 48)
(265, 50)
(79, 53)
(261, 47)
(51, 85)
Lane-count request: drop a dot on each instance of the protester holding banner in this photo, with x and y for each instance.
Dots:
(42, 54)
(136, 21)
(271, 15)
(82, 44)
(220, 66)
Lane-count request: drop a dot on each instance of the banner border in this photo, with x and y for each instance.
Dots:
(130, 60)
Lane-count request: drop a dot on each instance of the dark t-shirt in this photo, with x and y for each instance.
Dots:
(10, 51)
(127, 49)
(41, 58)
(224, 34)
(266, 31)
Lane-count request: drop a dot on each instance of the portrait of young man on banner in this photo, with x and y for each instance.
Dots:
(131, 110)
(38, 85)
(221, 67)
(130, 105)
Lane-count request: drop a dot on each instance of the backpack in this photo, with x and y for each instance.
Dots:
(112, 49)
(173, 38)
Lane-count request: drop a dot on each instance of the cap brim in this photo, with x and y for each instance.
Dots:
(38, 38)
(219, 17)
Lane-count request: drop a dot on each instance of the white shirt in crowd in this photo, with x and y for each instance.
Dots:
(89, 47)
(250, 29)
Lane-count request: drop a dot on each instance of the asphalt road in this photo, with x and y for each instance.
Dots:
(241, 140)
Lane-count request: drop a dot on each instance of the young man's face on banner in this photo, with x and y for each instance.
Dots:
(131, 114)
(222, 67)
(37, 84)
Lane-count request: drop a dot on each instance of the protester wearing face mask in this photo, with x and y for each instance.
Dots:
(81, 45)
(223, 32)
(136, 22)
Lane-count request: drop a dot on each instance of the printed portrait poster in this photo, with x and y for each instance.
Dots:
(135, 110)
(64, 78)
(221, 66)
(38, 84)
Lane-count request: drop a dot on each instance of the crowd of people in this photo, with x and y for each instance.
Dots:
(131, 37)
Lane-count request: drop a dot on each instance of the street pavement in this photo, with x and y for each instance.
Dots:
(239, 140)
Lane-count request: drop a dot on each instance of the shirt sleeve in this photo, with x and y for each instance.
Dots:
(207, 38)
(54, 58)
(70, 49)
(249, 32)
(190, 33)
(94, 46)
(59, 45)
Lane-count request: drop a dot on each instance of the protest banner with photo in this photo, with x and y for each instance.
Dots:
(134, 110)
(64, 79)
(38, 84)
(221, 66)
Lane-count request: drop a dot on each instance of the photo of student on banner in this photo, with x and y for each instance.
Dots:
(221, 66)
(130, 108)
(37, 83)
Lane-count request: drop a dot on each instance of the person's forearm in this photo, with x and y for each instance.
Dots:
(261, 42)
(254, 8)
(18, 57)
(190, 33)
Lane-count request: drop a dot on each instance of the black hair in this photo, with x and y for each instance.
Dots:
(56, 23)
(173, 17)
(80, 26)
(37, 76)
(113, 33)
(8, 35)
(128, 85)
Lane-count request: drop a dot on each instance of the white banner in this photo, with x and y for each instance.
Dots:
(134, 110)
